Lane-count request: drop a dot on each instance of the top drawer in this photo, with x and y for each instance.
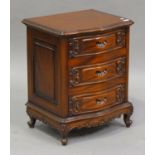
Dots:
(96, 44)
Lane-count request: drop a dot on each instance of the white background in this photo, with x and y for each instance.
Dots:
(70, 7)
(111, 139)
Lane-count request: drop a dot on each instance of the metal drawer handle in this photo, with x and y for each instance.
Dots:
(101, 101)
(101, 44)
(101, 73)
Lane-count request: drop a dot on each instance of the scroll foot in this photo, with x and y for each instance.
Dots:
(31, 122)
(127, 120)
(64, 140)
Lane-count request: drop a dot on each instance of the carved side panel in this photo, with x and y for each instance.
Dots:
(73, 48)
(120, 94)
(121, 66)
(74, 77)
(120, 38)
(74, 105)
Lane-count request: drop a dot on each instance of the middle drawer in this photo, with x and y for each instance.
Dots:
(84, 75)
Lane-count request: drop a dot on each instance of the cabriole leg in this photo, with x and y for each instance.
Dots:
(64, 139)
(31, 122)
(64, 131)
(127, 120)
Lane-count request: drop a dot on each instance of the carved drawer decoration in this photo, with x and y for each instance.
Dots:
(97, 73)
(96, 101)
(91, 45)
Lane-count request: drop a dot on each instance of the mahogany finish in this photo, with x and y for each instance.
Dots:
(78, 70)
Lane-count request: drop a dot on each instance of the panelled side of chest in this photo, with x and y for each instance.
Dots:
(46, 55)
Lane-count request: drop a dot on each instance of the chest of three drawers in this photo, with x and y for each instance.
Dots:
(78, 70)
(97, 71)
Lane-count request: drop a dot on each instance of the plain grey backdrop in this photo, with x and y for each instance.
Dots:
(112, 139)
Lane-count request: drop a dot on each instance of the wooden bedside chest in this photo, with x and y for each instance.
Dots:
(78, 70)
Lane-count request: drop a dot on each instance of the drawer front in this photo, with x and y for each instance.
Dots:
(90, 74)
(91, 45)
(97, 101)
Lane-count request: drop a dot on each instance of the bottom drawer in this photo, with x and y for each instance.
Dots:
(97, 101)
